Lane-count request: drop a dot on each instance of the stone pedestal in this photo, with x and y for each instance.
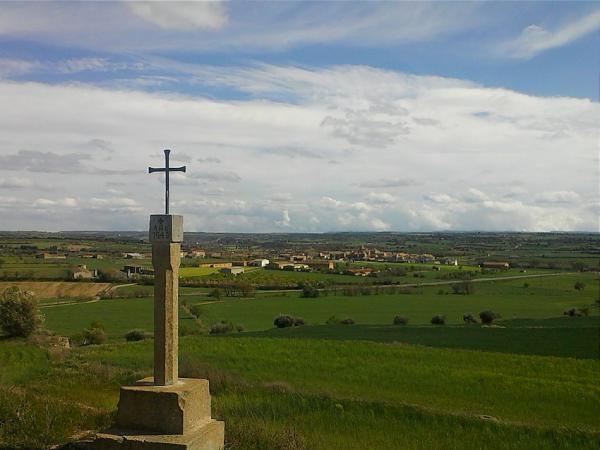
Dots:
(175, 417)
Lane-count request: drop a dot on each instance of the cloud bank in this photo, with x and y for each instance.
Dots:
(410, 153)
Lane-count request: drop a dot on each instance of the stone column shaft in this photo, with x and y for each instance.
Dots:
(166, 259)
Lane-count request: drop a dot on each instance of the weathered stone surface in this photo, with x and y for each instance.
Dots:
(208, 437)
(166, 259)
(176, 409)
(166, 228)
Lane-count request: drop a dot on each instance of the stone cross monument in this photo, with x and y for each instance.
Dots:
(165, 412)
(166, 235)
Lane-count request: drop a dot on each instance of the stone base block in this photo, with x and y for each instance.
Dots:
(210, 436)
(177, 409)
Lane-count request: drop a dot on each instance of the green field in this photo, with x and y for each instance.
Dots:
(544, 297)
(573, 338)
(319, 394)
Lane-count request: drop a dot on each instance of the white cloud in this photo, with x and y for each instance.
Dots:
(463, 170)
(536, 39)
(182, 15)
(557, 197)
(15, 183)
(383, 198)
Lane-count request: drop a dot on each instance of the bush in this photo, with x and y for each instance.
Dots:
(299, 321)
(438, 319)
(347, 321)
(469, 318)
(216, 294)
(284, 321)
(94, 336)
(19, 313)
(221, 328)
(463, 288)
(487, 317)
(136, 335)
(579, 286)
(309, 291)
(239, 328)
(400, 320)
(573, 312)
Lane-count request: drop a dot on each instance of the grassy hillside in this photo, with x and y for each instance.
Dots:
(321, 394)
(577, 339)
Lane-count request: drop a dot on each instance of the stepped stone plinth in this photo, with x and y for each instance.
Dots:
(174, 417)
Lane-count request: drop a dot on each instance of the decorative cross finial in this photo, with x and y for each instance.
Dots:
(166, 170)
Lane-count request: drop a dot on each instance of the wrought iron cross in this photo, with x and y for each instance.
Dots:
(166, 170)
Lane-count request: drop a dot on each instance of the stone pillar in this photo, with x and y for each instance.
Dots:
(166, 234)
(164, 412)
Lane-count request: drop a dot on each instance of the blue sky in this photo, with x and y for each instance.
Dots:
(311, 116)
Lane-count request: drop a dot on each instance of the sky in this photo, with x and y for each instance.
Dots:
(301, 116)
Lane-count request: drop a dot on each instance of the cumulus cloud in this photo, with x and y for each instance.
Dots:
(535, 39)
(381, 198)
(460, 171)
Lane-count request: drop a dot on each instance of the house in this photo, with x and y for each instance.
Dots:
(240, 263)
(133, 256)
(50, 256)
(81, 272)
(219, 265)
(259, 263)
(426, 258)
(320, 265)
(450, 261)
(362, 272)
(196, 253)
(232, 270)
(496, 265)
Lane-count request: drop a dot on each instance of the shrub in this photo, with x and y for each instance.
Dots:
(400, 320)
(469, 318)
(347, 321)
(525, 285)
(438, 319)
(136, 335)
(216, 294)
(284, 321)
(309, 291)
(332, 320)
(94, 336)
(239, 328)
(573, 312)
(441, 292)
(221, 328)
(299, 321)
(463, 288)
(19, 313)
(579, 286)
(487, 317)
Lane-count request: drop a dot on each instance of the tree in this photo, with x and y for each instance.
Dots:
(579, 286)
(19, 313)
(309, 291)
(216, 293)
(487, 317)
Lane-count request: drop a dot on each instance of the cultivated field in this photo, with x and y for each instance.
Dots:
(58, 289)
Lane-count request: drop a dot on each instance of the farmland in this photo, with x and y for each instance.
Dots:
(528, 381)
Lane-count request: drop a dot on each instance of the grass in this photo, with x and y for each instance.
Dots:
(528, 390)
(577, 341)
(118, 316)
(545, 297)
